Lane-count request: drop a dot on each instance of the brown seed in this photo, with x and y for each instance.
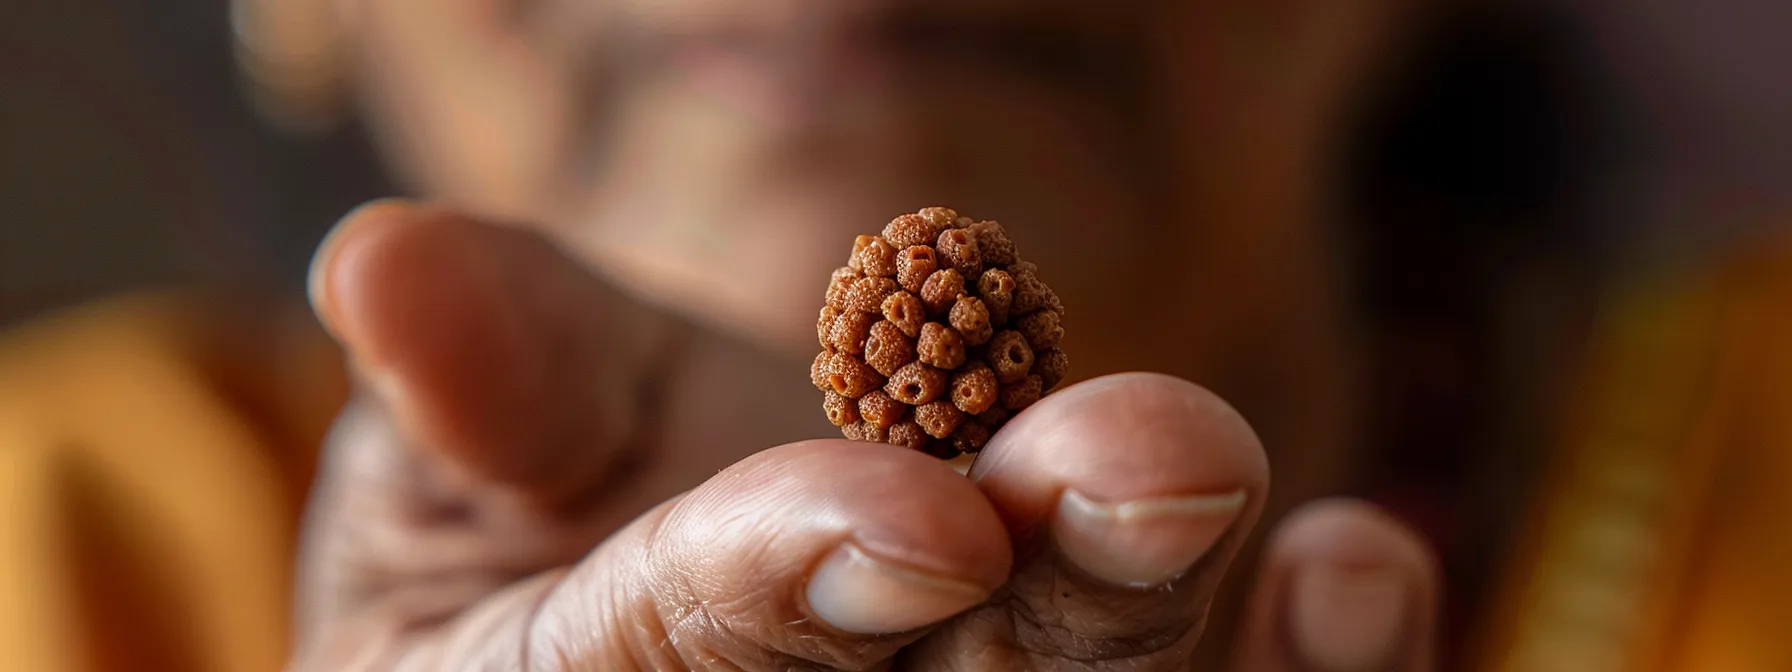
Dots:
(916, 384)
(941, 218)
(850, 331)
(841, 411)
(1043, 330)
(940, 449)
(996, 288)
(879, 409)
(824, 324)
(996, 416)
(867, 294)
(909, 435)
(877, 258)
(913, 265)
(910, 230)
(974, 388)
(1030, 294)
(940, 346)
(1010, 357)
(970, 437)
(941, 290)
(850, 377)
(887, 349)
(958, 247)
(873, 433)
(858, 245)
(971, 318)
(1021, 395)
(839, 285)
(1052, 367)
(939, 418)
(818, 372)
(993, 242)
(854, 431)
(906, 312)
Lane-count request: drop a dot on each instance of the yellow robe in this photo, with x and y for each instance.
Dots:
(154, 453)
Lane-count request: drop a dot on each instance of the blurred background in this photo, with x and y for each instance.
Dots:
(1521, 174)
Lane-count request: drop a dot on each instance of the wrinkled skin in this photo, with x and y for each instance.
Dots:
(582, 367)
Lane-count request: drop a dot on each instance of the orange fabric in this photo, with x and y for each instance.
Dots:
(1661, 542)
(153, 456)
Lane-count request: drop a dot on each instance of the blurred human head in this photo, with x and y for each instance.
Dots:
(720, 156)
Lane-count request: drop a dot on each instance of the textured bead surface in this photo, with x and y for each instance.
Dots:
(935, 334)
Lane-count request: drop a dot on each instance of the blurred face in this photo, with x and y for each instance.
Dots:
(721, 156)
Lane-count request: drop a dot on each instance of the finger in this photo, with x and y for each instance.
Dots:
(1344, 588)
(1127, 496)
(501, 387)
(485, 344)
(828, 554)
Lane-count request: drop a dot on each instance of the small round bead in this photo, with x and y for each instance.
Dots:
(877, 258)
(867, 294)
(854, 431)
(1021, 395)
(940, 218)
(879, 409)
(970, 437)
(940, 449)
(908, 434)
(910, 230)
(841, 411)
(850, 331)
(916, 384)
(1010, 357)
(839, 285)
(996, 416)
(1043, 330)
(941, 290)
(824, 324)
(850, 377)
(996, 288)
(906, 312)
(958, 247)
(939, 418)
(873, 433)
(818, 372)
(1052, 366)
(940, 346)
(994, 243)
(913, 265)
(971, 319)
(858, 245)
(887, 349)
(1030, 294)
(974, 389)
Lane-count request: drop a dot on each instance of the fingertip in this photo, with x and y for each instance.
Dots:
(320, 287)
(1352, 533)
(1351, 586)
(1121, 438)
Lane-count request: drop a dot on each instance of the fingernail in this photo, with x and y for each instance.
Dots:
(1347, 620)
(858, 593)
(1143, 542)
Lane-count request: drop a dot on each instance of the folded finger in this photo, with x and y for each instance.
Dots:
(1344, 588)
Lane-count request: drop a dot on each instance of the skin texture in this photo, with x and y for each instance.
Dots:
(503, 495)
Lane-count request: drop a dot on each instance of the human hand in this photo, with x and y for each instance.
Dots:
(490, 501)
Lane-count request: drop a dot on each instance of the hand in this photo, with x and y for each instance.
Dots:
(503, 495)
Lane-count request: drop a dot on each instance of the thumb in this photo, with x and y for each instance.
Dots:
(825, 553)
(486, 345)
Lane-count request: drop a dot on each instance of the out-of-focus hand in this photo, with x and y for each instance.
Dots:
(482, 507)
